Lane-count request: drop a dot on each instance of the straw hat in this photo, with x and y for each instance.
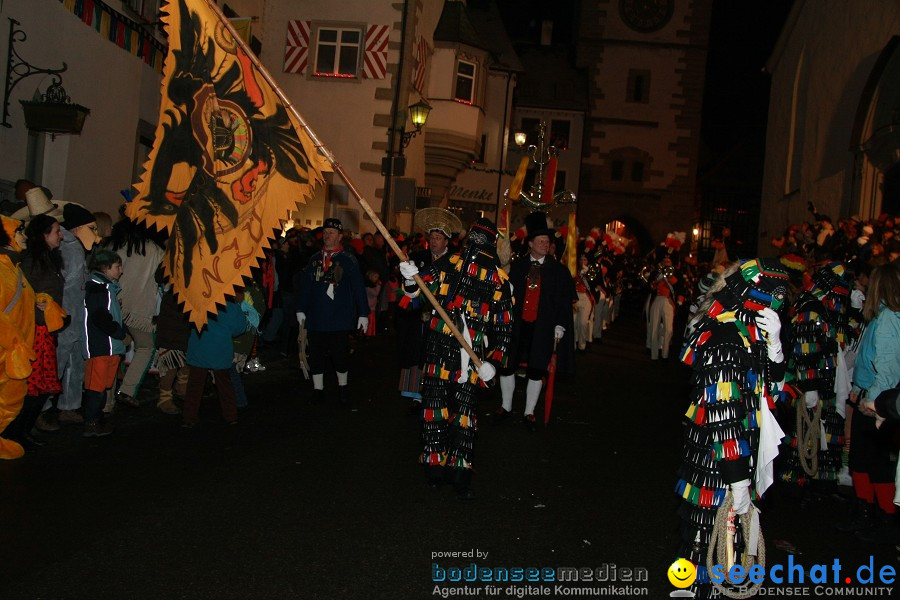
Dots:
(431, 219)
(37, 203)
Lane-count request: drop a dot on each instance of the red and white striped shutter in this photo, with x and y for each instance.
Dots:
(421, 65)
(296, 48)
(375, 60)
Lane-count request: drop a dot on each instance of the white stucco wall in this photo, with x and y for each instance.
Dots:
(840, 42)
(117, 87)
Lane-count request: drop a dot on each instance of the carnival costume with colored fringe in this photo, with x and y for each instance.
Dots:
(475, 293)
(821, 328)
(731, 373)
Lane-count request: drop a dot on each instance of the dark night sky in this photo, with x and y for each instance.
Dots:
(742, 35)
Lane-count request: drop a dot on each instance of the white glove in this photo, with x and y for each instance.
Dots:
(558, 332)
(812, 398)
(767, 320)
(409, 270)
(363, 323)
(486, 371)
(740, 491)
(857, 298)
(301, 318)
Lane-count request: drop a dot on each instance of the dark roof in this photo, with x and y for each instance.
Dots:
(485, 17)
(455, 26)
(549, 79)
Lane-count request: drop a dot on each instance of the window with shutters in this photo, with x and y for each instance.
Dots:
(338, 51)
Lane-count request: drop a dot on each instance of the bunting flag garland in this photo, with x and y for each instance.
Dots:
(228, 163)
(119, 29)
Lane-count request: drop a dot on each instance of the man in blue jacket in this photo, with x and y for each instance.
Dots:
(331, 303)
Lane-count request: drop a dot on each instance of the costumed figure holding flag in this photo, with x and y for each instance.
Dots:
(475, 294)
(730, 436)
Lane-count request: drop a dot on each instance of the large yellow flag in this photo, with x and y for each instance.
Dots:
(229, 161)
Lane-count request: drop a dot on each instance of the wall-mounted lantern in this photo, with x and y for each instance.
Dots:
(53, 112)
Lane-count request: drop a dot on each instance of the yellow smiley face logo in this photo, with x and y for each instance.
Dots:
(682, 573)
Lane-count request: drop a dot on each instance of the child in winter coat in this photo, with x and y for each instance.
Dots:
(105, 334)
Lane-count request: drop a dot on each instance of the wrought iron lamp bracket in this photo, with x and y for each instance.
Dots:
(18, 69)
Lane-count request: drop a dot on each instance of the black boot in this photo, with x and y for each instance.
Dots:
(862, 516)
(885, 530)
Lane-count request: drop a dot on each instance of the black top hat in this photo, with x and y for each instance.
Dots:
(536, 224)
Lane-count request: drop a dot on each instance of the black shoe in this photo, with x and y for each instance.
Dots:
(531, 423)
(344, 394)
(318, 396)
(500, 415)
(415, 408)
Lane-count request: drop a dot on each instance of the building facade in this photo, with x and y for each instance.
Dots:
(113, 55)
(352, 68)
(645, 64)
(833, 134)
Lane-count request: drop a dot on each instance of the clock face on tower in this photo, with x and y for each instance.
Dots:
(646, 16)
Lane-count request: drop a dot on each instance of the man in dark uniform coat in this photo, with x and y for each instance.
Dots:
(331, 302)
(544, 293)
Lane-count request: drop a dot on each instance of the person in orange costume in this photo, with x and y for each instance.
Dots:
(16, 334)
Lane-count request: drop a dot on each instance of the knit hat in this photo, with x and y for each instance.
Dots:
(75, 215)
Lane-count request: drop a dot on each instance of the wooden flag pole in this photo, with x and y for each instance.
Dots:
(340, 171)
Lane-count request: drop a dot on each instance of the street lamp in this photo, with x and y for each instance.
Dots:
(520, 138)
(54, 113)
(418, 114)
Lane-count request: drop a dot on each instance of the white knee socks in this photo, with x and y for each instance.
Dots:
(532, 393)
(342, 378)
(507, 387)
(318, 381)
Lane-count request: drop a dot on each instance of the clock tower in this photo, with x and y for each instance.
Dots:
(645, 61)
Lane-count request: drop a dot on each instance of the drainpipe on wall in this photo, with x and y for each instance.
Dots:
(387, 202)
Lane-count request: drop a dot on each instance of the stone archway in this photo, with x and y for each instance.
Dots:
(877, 131)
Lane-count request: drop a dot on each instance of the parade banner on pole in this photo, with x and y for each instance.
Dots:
(229, 161)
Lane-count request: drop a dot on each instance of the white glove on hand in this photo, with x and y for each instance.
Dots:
(363, 323)
(857, 298)
(559, 332)
(486, 371)
(409, 270)
(767, 320)
(740, 491)
(301, 318)
(812, 398)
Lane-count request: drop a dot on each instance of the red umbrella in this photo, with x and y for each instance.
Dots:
(551, 381)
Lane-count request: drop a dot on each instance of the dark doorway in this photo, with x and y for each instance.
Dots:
(890, 191)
